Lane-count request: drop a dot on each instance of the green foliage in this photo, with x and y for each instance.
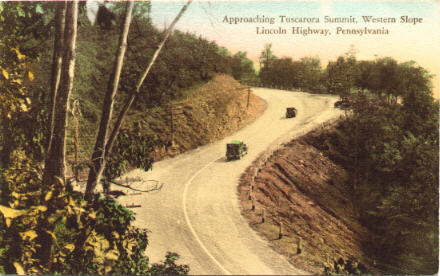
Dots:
(305, 74)
(21, 118)
(342, 267)
(169, 267)
(384, 77)
(267, 57)
(341, 75)
(391, 151)
(122, 245)
(131, 147)
(111, 215)
(242, 68)
(41, 232)
(25, 24)
(185, 61)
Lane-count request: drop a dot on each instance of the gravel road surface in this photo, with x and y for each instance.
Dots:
(197, 212)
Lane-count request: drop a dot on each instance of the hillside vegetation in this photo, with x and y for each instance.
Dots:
(387, 146)
(57, 122)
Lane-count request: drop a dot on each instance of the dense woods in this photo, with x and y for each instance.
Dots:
(388, 143)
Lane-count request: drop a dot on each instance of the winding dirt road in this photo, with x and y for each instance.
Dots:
(197, 212)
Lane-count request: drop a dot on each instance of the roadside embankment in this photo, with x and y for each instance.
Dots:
(302, 190)
(213, 111)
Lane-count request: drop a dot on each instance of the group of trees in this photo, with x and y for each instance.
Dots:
(384, 77)
(389, 145)
(391, 153)
(46, 227)
(186, 60)
(305, 74)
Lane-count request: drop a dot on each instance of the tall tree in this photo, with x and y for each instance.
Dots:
(94, 178)
(266, 56)
(60, 19)
(55, 163)
(342, 75)
(98, 157)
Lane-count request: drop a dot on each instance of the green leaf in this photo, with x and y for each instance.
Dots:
(20, 12)
(39, 9)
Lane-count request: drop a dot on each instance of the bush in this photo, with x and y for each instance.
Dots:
(51, 230)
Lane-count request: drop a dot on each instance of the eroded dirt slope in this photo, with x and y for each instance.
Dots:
(214, 111)
(302, 188)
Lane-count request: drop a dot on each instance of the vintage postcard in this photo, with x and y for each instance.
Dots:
(219, 137)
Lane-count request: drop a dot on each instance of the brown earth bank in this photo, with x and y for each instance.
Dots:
(301, 188)
(213, 111)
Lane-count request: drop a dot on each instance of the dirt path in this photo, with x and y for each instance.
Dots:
(197, 213)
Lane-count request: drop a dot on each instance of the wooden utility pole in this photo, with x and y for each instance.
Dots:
(248, 96)
(248, 88)
(174, 110)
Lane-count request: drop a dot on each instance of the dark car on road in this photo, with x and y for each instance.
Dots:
(235, 150)
(290, 112)
(344, 103)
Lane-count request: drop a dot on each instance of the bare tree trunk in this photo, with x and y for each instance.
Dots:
(114, 134)
(98, 157)
(56, 66)
(55, 163)
(130, 100)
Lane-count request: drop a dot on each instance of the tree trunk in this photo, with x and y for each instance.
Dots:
(130, 100)
(56, 67)
(98, 157)
(114, 134)
(55, 163)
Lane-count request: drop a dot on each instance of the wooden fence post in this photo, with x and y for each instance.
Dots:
(299, 246)
(280, 234)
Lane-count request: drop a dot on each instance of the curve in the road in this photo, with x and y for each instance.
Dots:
(197, 213)
(188, 221)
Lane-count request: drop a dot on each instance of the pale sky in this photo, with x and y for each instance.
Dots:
(405, 41)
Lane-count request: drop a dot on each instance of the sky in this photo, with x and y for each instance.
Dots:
(405, 41)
